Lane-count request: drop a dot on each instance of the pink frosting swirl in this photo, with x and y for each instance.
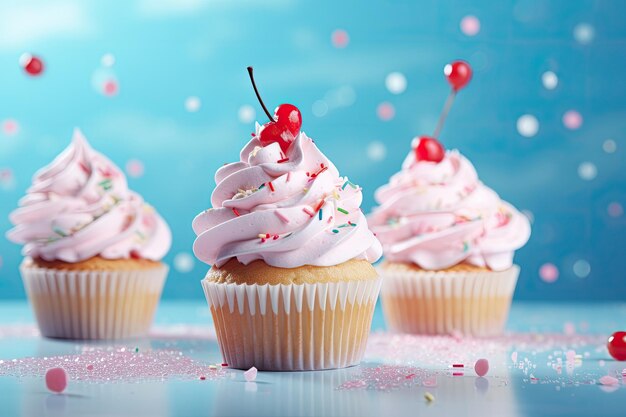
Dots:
(80, 206)
(437, 215)
(287, 210)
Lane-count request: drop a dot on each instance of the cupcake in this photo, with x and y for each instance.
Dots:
(448, 242)
(92, 248)
(291, 285)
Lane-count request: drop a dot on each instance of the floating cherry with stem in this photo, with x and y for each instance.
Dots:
(458, 74)
(283, 127)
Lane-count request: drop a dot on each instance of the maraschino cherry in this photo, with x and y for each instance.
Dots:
(283, 127)
(617, 346)
(458, 74)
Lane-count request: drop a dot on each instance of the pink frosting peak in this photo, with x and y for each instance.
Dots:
(80, 206)
(287, 210)
(437, 215)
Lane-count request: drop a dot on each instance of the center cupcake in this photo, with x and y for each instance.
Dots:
(291, 285)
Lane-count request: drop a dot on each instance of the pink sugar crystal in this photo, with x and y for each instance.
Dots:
(56, 379)
(608, 380)
(481, 367)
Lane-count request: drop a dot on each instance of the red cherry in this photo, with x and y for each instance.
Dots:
(284, 128)
(617, 346)
(32, 64)
(458, 73)
(429, 149)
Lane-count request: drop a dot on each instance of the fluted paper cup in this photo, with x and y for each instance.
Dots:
(93, 304)
(472, 303)
(292, 327)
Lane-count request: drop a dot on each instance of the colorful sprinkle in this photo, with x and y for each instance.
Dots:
(320, 215)
(280, 161)
(429, 397)
(288, 176)
(335, 231)
(261, 186)
(202, 378)
(269, 184)
(339, 209)
(236, 212)
(481, 367)
(458, 365)
(56, 379)
(308, 211)
(106, 184)
(281, 216)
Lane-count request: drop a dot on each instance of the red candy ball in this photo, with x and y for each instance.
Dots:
(284, 128)
(617, 346)
(458, 74)
(32, 64)
(429, 149)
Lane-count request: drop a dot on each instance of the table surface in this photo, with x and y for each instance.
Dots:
(550, 363)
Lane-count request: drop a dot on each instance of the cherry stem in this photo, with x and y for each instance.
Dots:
(444, 113)
(258, 96)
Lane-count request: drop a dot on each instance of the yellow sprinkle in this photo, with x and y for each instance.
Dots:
(212, 367)
(429, 397)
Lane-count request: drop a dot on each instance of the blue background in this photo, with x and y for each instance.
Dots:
(167, 51)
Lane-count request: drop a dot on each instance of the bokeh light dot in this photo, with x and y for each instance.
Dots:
(376, 151)
(107, 60)
(587, 171)
(527, 125)
(584, 33)
(10, 127)
(385, 111)
(549, 80)
(470, 25)
(572, 119)
(110, 87)
(609, 146)
(340, 38)
(548, 272)
(581, 268)
(183, 262)
(193, 104)
(246, 114)
(395, 82)
(319, 108)
(615, 209)
(134, 168)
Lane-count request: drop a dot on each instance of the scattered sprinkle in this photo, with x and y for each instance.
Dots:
(269, 184)
(236, 212)
(280, 161)
(288, 176)
(250, 374)
(56, 379)
(261, 186)
(481, 367)
(281, 216)
(339, 209)
(202, 377)
(320, 214)
(457, 374)
(608, 380)
(429, 397)
(308, 211)
(458, 365)
(335, 231)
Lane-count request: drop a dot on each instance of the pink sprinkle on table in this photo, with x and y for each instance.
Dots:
(481, 367)
(514, 357)
(90, 367)
(56, 379)
(608, 380)
(250, 374)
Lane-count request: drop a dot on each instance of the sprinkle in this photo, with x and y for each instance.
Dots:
(59, 232)
(339, 209)
(83, 167)
(136, 349)
(288, 176)
(280, 161)
(458, 365)
(90, 367)
(457, 373)
(330, 219)
(343, 187)
(481, 367)
(608, 380)
(202, 378)
(261, 186)
(250, 374)
(106, 184)
(465, 246)
(56, 379)
(308, 211)
(269, 184)
(281, 216)
(335, 231)
(429, 397)
(320, 215)
(409, 376)
(236, 212)
(261, 235)
(275, 237)
(305, 189)
(319, 206)
(224, 365)
(212, 367)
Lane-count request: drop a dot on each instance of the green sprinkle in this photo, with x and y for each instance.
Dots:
(342, 210)
(262, 185)
(352, 224)
(343, 225)
(59, 232)
(136, 349)
(465, 247)
(106, 184)
(320, 214)
(335, 231)
(343, 187)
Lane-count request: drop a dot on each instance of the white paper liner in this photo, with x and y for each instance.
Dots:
(93, 304)
(473, 303)
(292, 327)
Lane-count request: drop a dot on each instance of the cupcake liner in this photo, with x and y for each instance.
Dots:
(93, 304)
(292, 327)
(473, 303)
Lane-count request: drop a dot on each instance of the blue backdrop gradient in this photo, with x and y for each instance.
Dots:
(168, 51)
